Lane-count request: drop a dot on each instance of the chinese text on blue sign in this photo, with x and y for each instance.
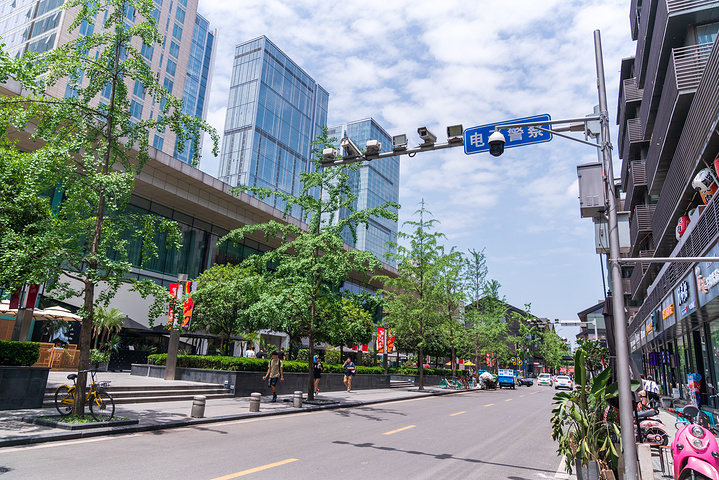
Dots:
(476, 138)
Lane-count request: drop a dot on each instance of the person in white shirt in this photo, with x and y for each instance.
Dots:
(250, 352)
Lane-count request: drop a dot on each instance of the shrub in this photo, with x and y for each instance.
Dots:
(18, 353)
(96, 356)
(332, 356)
(303, 354)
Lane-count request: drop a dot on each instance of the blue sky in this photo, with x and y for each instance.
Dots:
(428, 63)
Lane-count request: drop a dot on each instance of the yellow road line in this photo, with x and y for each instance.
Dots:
(256, 469)
(508, 400)
(521, 396)
(458, 413)
(534, 392)
(399, 430)
(489, 405)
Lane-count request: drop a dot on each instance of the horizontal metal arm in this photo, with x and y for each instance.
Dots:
(564, 135)
(591, 118)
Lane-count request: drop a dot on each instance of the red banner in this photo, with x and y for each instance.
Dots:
(380, 340)
(173, 292)
(390, 341)
(365, 347)
(189, 304)
(15, 299)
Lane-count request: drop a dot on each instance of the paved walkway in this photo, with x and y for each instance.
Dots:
(160, 415)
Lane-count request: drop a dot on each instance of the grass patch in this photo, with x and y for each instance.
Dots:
(74, 420)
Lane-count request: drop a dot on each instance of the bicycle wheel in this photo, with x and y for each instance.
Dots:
(102, 406)
(64, 399)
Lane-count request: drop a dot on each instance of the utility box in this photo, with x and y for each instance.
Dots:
(592, 195)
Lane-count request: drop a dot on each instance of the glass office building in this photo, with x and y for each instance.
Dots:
(182, 62)
(374, 183)
(274, 111)
(197, 79)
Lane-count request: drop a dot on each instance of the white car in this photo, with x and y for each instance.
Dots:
(563, 381)
(544, 379)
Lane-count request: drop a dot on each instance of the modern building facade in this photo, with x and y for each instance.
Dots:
(668, 132)
(183, 62)
(274, 112)
(374, 183)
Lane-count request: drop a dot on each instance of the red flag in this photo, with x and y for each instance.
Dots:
(173, 292)
(380, 340)
(189, 304)
(365, 347)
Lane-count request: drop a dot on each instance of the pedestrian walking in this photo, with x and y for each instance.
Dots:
(317, 372)
(261, 353)
(274, 371)
(250, 352)
(350, 370)
(282, 353)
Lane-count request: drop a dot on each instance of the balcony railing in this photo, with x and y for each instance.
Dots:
(634, 18)
(686, 67)
(644, 38)
(674, 6)
(637, 182)
(633, 140)
(699, 131)
(640, 224)
(637, 285)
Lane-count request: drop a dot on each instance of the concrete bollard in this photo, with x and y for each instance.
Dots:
(255, 402)
(198, 406)
(297, 399)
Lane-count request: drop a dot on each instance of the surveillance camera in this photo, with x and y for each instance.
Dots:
(373, 147)
(351, 149)
(428, 137)
(329, 155)
(496, 143)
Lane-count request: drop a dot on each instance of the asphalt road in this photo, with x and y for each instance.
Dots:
(502, 434)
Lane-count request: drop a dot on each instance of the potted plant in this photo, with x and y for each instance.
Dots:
(22, 385)
(582, 426)
(99, 360)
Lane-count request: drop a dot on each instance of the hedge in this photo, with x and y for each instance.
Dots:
(241, 364)
(18, 353)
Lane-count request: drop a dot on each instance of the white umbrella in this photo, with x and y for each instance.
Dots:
(56, 313)
(5, 308)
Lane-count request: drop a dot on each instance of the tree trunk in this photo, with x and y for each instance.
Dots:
(420, 363)
(78, 408)
(310, 368)
(454, 365)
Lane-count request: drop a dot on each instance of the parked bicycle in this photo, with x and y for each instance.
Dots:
(102, 406)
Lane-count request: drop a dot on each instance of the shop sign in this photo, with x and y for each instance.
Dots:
(668, 317)
(707, 278)
(685, 296)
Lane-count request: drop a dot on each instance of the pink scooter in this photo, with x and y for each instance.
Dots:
(694, 449)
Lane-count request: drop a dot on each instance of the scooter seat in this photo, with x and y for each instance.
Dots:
(647, 413)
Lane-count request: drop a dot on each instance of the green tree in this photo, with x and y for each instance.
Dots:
(305, 272)
(492, 326)
(222, 300)
(95, 149)
(413, 308)
(527, 337)
(452, 298)
(355, 326)
(474, 275)
(552, 349)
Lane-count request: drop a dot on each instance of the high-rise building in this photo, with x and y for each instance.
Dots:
(668, 133)
(183, 62)
(274, 111)
(374, 183)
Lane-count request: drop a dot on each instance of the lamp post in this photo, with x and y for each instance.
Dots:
(496, 148)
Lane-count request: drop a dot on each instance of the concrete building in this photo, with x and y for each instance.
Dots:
(274, 111)
(668, 132)
(183, 62)
(374, 183)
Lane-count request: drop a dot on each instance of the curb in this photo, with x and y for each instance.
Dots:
(118, 430)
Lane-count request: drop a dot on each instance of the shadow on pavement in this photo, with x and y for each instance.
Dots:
(442, 456)
(359, 412)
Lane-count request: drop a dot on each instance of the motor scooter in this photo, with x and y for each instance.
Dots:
(694, 450)
(652, 430)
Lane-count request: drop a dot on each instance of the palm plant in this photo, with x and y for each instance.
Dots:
(106, 323)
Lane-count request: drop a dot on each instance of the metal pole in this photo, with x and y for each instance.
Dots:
(620, 324)
(596, 334)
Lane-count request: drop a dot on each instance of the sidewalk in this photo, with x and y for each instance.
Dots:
(161, 415)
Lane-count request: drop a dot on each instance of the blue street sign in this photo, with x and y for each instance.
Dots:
(476, 138)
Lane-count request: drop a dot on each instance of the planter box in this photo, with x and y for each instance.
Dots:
(100, 367)
(22, 387)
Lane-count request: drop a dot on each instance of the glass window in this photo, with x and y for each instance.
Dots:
(180, 15)
(147, 51)
(158, 141)
(168, 84)
(135, 109)
(707, 33)
(171, 67)
(138, 90)
(177, 31)
(174, 49)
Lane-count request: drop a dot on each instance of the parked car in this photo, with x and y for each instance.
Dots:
(563, 381)
(544, 379)
(524, 381)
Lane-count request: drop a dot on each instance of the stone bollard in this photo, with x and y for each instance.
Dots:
(255, 402)
(297, 399)
(198, 406)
